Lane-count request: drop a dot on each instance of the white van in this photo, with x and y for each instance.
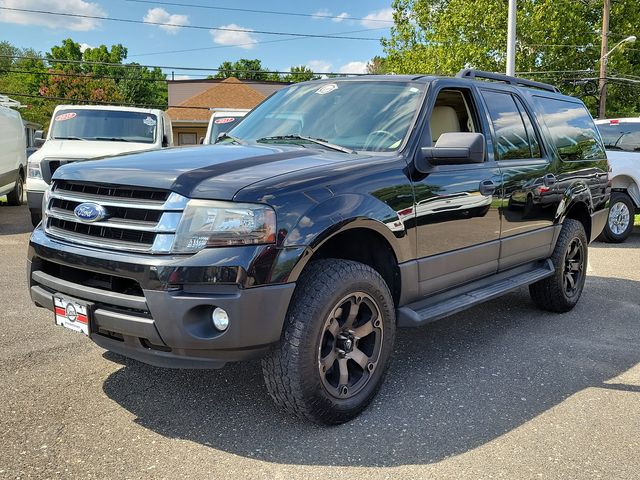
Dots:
(223, 120)
(13, 156)
(85, 132)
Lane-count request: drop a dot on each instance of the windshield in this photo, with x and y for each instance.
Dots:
(357, 115)
(222, 125)
(104, 125)
(621, 136)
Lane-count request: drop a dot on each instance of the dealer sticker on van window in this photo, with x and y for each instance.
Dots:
(65, 116)
(224, 120)
(328, 88)
(149, 121)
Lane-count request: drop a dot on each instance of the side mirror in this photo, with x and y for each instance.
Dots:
(38, 138)
(453, 148)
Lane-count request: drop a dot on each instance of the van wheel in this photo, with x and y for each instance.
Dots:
(561, 292)
(16, 196)
(620, 221)
(336, 343)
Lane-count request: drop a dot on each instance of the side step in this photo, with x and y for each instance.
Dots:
(442, 305)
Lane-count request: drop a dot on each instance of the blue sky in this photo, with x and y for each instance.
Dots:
(151, 44)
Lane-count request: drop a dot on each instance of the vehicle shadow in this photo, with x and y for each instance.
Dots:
(454, 385)
(632, 242)
(14, 220)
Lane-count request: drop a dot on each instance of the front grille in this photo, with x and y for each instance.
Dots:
(137, 219)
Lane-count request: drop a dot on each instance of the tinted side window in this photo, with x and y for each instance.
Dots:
(531, 133)
(572, 129)
(511, 140)
(621, 136)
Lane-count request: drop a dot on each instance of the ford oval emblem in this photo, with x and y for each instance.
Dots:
(90, 212)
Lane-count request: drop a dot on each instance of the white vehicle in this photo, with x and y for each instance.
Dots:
(13, 156)
(85, 132)
(622, 141)
(222, 121)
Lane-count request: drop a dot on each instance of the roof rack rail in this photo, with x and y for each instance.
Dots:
(473, 74)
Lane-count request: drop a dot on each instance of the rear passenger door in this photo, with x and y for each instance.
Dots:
(530, 198)
(456, 214)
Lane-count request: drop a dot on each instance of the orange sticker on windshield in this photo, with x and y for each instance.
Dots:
(224, 120)
(65, 116)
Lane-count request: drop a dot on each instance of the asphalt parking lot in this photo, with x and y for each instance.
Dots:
(500, 391)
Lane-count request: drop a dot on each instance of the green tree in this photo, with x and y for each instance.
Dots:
(300, 73)
(243, 69)
(377, 65)
(443, 36)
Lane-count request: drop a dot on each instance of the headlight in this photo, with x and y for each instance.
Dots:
(33, 170)
(45, 204)
(207, 223)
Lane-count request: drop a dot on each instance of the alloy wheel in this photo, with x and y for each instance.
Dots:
(619, 218)
(573, 267)
(350, 346)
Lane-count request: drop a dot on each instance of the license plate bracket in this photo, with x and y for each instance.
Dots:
(72, 313)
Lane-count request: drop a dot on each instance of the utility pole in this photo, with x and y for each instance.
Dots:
(511, 39)
(603, 61)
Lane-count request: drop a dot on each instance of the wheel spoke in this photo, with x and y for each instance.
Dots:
(573, 251)
(328, 361)
(354, 308)
(364, 330)
(359, 357)
(344, 372)
(572, 283)
(334, 328)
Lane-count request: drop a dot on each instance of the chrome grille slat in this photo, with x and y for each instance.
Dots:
(133, 224)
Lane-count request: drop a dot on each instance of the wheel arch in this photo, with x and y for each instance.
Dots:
(627, 184)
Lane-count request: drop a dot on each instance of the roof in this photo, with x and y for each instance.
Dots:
(108, 107)
(229, 93)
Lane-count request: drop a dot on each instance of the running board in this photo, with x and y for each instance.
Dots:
(442, 305)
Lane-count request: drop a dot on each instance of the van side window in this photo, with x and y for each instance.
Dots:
(572, 129)
(452, 113)
(512, 140)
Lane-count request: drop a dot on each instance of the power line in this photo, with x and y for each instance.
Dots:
(197, 27)
(244, 44)
(269, 12)
(52, 61)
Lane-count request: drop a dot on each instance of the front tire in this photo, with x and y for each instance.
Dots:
(336, 343)
(620, 221)
(561, 292)
(15, 197)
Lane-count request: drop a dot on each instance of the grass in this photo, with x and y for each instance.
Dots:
(637, 221)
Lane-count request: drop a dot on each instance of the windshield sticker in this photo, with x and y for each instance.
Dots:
(224, 120)
(65, 116)
(149, 121)
(330, 87)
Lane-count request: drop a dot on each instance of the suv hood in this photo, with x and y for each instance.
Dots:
(88, 149)
(209, 172)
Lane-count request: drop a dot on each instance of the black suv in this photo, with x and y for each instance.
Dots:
(338, 210)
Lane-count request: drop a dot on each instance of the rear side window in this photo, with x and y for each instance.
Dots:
(620, 136)
(572, 129)
(514, 138)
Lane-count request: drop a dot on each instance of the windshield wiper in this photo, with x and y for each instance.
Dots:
(226, 136)
(69, 138)
(111, 139)
(317, 141)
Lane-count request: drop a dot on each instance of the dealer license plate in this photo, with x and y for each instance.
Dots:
(72, 314)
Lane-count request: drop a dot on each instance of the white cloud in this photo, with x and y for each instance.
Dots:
(321, 14)
(85, 46)
(378, 19)
(53, 21)
(340, 17)
(160, 15)
(243, 39)
(353, 67)
(319, 66)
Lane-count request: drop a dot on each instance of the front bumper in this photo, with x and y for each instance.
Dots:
(157, 309)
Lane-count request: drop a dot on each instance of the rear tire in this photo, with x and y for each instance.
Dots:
(336, 343)
(620, 220)
(16, 196)
(561, 292)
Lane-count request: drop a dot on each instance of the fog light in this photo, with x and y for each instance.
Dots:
(220, 319)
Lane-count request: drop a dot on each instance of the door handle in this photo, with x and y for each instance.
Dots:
(487, 187)
(549, 179)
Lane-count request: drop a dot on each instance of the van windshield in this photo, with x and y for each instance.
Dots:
(360, 115)
(222, 125)
(104, 125)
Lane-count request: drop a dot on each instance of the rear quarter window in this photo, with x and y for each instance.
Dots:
(572, 129)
